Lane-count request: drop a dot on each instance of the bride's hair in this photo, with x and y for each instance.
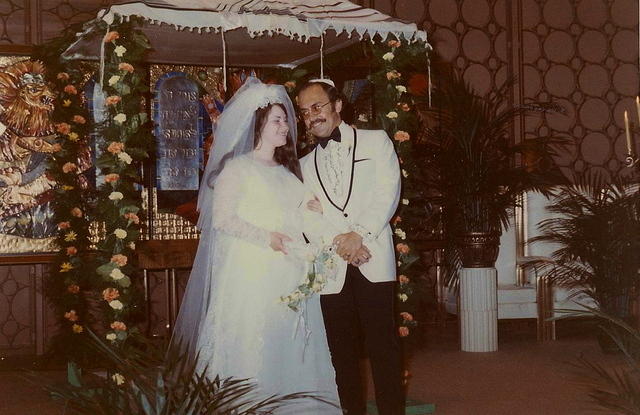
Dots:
(286, 154)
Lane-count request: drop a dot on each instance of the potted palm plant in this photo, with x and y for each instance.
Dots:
(596, 227)
(474, 166)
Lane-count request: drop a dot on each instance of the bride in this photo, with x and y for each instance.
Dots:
(253, 211)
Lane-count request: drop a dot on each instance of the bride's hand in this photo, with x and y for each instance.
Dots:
(278, 241)
(315, 205)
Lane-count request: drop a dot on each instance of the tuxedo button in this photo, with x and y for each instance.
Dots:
(346, 214)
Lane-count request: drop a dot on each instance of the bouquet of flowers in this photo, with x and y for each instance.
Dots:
(322, 267)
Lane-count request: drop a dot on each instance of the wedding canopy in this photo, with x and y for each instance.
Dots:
(275, 33)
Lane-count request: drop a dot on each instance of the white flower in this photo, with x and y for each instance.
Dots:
(116, 196)
(120, 50)
(403, 297)
(111, 336)
(116, 304)
(405, 201)
(116, 274)
(404, 173)
(132, 246)
(392, 115)
(400, 233)
(120, 233)
(120, 118)
(113, 80)
(388, 56)
(363, 118)
(401, 88)
(399, 263)
(124, 157)
(317, 287)
(118, 379)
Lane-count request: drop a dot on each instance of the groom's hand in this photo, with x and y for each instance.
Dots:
(362, 257)
(348, 245)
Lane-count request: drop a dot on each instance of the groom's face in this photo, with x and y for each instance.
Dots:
(319, 114)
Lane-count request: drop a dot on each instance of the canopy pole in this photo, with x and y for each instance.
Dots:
(102, 58)
(224, 61)
(429, 78)
(321, 55)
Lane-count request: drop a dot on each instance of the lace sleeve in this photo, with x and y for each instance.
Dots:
(228, 188)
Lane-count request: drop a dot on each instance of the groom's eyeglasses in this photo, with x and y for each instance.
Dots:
(314, 109)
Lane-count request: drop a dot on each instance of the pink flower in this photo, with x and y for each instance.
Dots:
(119, 259)
(71, 315)
(69, 167)
(70, 89)
(404, 106)
(403, 331)
(112, 100)
(124, 66)
(63, 76)
(119, 326)
(403, 248)
(73, 289)
(64, 225)
(63, 128)
(394, 43)
(115, 147)
(403, 279)
(79, 119)
(111, 36)
(77, 212)
(72, 250)
(111, 177)
(110, 294)
(290, 85)
(406, 316)
(132, 217)
(396, 220)
(401, 136)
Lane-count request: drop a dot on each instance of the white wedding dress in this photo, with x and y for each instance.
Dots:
(246, 332)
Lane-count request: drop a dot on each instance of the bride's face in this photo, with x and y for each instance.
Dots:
(275, 130)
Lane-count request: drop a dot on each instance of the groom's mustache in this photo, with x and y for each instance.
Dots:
(316, 122)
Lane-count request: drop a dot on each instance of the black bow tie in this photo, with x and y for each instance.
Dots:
(335, 136)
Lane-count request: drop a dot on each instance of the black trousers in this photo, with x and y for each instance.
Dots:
(363, 314)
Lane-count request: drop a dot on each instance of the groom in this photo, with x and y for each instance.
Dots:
(356, 176)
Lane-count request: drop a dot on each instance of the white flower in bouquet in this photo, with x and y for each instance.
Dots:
(116, 274)
(400, 233)
(116, 304)
(113, 80)
(124, 157)
(120, 118)
(388, 56)
(120, 50)
(401, 88)
(120, 233)
(111, 337)
(118, 379)
(403, 297)
(116, 196)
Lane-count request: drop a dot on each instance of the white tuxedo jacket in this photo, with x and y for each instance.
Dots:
(372, 167)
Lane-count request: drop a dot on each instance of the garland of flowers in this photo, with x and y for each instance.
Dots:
(125, 139)
(71, 200)
(396, 113)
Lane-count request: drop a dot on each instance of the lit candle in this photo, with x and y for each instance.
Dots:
(628, 132)
(638, 108)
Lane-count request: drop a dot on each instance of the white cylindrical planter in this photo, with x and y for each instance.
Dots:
(479, 309)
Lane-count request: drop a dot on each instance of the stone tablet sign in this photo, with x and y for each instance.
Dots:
(177, 133)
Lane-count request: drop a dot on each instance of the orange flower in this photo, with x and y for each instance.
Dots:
(403, 331)
(403, 248)
(393, 75)
(63, 128)
(396, 220)
(124, 66)
(77, 328)
(406, 316)
(119, 326)
(132, 217)
(64, 225)
(63, 76)
(119, 259)
(112, 100)
(70, 89)
(77, 212)
(73, 289)
(115, 147)
(111, 177)
(111, 36)
(69, 167)
(79, 119)
(394, 43)
(403, 279)
(404, 106)
(71, 315)
(72, 250)
(401, 136)
(110, 294)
